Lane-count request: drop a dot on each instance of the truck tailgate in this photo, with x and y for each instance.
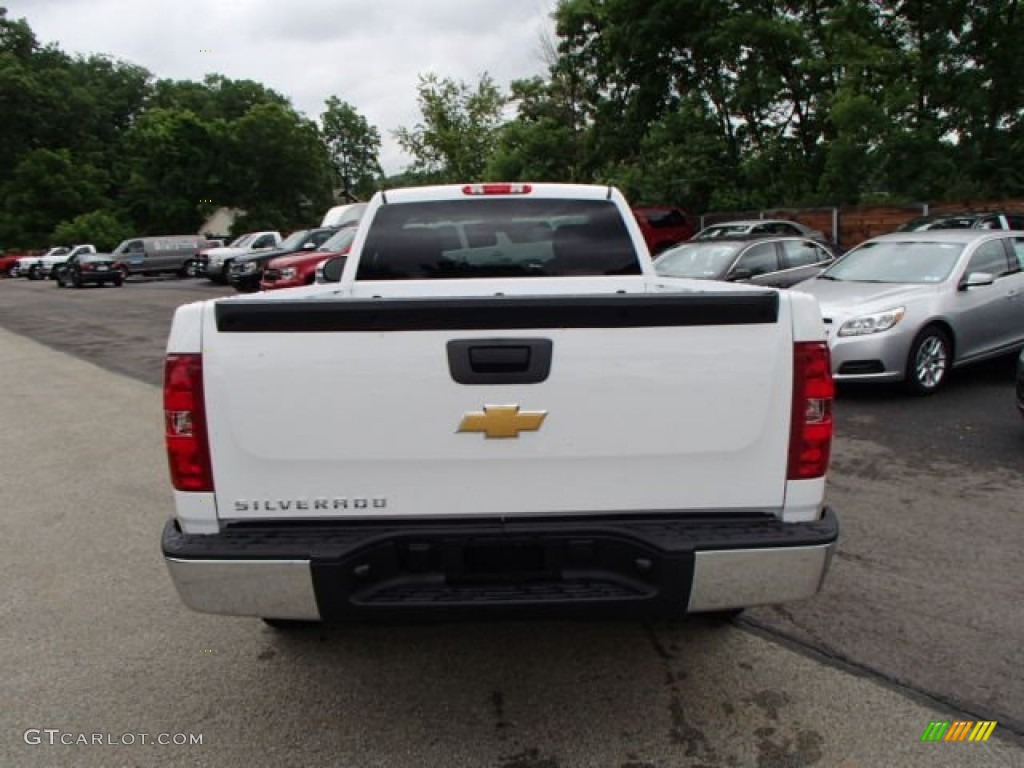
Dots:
(351, 408)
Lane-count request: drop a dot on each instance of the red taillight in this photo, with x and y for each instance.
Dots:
(86, 267)
(188, 449)
(810, 436)
(497, 189)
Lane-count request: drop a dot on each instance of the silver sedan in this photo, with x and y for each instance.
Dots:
(759, 228)
(910, 306)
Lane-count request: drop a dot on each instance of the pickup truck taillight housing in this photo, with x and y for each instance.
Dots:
(810, 437)
(188, 449)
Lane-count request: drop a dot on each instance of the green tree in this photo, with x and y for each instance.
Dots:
(354, 148)
(48, 186)
(683, 160)
(459, 129)
(215, 97)
(276, 167)
(101, 228)
(174, 157)
(987, 95)
(814, 100)
(21, 91)
(544, 142)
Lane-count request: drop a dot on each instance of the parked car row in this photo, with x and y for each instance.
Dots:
(968, 220)
(40, 267)
(175, 254)
(904, 307)
(215, 263)
(300, 268)
(266, 261)
(246, 271)
(1004, 220)
(291, 261)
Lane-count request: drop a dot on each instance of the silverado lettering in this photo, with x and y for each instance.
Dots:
(283, 505)
(551, 429)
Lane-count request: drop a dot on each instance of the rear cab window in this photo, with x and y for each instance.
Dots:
(486, 238)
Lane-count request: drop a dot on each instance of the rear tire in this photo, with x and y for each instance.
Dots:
(190, 269)
(929, 361)
(76, 280)
(118, 283)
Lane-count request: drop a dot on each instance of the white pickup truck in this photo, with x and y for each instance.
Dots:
(215, 263)
(41, 267)
(498, 409)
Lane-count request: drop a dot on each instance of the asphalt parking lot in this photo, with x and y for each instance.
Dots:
(921, 617)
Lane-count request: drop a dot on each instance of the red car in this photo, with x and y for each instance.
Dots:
(8, 262)
(663, 227)
(300, 268)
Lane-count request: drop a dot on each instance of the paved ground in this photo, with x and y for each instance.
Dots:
(925, 591)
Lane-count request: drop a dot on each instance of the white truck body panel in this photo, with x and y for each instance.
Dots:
(300, 417)
(376, 417)
(653, 470)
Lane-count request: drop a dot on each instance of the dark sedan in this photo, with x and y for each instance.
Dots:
(778, 261)
(89, 268)
(247, 271)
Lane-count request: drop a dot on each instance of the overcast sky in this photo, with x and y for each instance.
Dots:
(366, 52)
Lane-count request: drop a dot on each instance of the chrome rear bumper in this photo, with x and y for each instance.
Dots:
(654, 566)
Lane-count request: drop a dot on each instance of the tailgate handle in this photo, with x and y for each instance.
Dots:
(499, 361)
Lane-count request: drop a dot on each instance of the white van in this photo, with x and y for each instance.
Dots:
(344, 215)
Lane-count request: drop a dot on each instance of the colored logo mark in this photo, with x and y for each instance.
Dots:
(502, 421)
(959, 730)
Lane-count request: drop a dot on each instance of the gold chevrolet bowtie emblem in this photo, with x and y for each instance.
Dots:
(502, 421)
